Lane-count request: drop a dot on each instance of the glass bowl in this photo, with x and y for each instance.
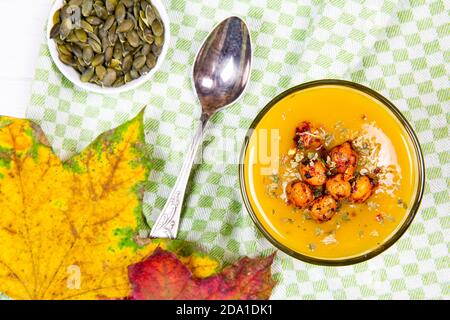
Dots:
(411, 211)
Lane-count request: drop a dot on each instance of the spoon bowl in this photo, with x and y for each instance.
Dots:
(220, 75)
(222, 66)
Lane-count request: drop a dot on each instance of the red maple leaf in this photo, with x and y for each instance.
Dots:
(163, 276)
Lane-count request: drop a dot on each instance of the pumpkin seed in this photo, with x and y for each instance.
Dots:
(134, 74)
(125, 26)
(127, 63)
(127, 48)
(87, 75)
(144, 70)
(63, 49)
(79, 68)
(95, 37)
(77, 50)
(119, 82)
(88, 54)
(112, 32)
(105, 43)
(75, 2)
(81, 35)
(146, 48)
(56, 17)
(142, 23)
(139, 62)
(157, 28)
(110, 5)
(128, 3)
(118, 50)
(100, 72)
(55, 31)
(148, 36)
(150, 15)
(136, 10)
(159, 41)
(151, 61)
(122, 37)
(71, 37)
(65, 28)
(102, 33)
(58, 40)
(86, 26)
(100, 11)
(95, 45)
(156, 50)
(94, 20)
(66, 11)
(110, 77)
(127, 77)
(108, 23)
(95, 80)
(67, 59)
(98, 60)
(81, 64)
(120, 12)
(108, 54)
(144, 4)
(142, 17)
(133, 39)
(132, 18)
(86, 7)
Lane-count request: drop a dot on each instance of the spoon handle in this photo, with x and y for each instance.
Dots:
(166, 226)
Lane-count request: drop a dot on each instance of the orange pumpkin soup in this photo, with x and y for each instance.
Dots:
(274, 160)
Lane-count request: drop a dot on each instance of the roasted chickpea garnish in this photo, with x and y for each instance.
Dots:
(299, 194)
(362, 189)
(314, 172)
(306, 137)
(323, 208)
(327, 177)
(345, 160)
(338, 188)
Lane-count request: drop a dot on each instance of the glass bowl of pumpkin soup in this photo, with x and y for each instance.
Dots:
(331, 172)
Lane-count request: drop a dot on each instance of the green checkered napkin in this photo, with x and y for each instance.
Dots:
(399, 48)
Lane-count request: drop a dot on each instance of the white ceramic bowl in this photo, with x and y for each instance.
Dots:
(71, 74)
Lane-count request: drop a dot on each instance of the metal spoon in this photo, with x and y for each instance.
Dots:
(220, 75)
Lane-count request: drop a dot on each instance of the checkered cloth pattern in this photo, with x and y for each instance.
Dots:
(399, 48)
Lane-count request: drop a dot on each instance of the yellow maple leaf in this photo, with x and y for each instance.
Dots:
(66, 228)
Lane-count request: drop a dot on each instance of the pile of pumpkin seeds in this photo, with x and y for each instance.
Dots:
(109, 42)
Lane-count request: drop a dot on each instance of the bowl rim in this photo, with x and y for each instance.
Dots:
(74, 77)
(420, 166)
